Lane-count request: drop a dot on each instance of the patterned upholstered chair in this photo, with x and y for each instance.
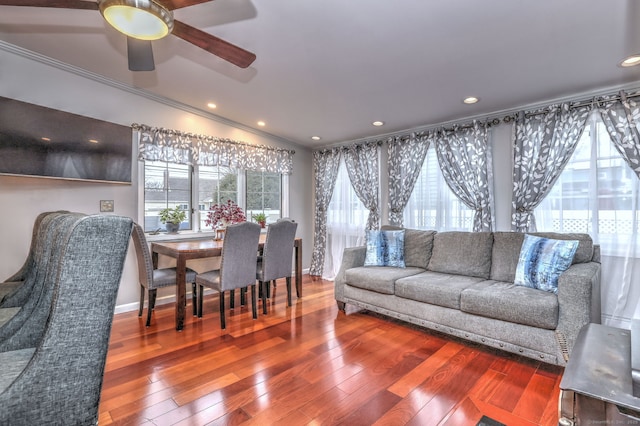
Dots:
(58, 379)
(9, 288)
(239, 253)
(29, 318)
(151, 279)
(275, 261)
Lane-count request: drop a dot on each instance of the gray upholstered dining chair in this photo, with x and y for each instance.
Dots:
(275, 261)
(13, 292)
(151, 279)
(239, 253)
(57, 378)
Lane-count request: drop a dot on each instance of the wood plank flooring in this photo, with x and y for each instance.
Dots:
(312, 365)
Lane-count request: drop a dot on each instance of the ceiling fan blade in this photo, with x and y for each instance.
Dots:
(65, 4)
(178, 4)
(223, 49)
(140, 55)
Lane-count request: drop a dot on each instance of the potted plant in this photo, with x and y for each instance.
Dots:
(260, 218)
(172, 218)
(223, 214)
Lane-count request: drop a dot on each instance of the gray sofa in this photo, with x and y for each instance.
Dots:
(461, 283)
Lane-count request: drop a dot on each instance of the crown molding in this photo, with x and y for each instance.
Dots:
(37, 57)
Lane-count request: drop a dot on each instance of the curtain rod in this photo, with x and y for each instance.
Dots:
(136, 126)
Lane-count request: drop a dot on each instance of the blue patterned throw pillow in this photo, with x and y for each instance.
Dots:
(375, 254)
(385, 248)
(542, 260)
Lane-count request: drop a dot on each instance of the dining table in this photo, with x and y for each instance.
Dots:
(184, 250)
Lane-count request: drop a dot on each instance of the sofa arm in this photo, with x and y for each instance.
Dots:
(578, 299)
(352, 257)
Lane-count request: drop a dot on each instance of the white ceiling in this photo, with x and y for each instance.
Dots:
(330, 68)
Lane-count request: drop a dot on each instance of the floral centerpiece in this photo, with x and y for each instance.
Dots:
(224, 214)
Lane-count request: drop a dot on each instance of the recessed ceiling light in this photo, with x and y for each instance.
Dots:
(46, 139)
(212, 105)
(378, 123)
(316, 138)
(630, 61)
(470, 100)
(261, 123)
(93, 141)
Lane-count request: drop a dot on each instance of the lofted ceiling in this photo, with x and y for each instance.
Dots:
(330, 68)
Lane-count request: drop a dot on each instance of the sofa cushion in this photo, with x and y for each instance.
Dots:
(418, 246)
(584, 253)
(507, 246)
(435, 288)
(462, 253)
(542, 260)
(380, 279)
(510, 302)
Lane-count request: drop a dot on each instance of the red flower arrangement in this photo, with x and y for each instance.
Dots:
(224, 214)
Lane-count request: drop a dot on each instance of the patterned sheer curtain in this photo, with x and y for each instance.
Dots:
(346, 222)
(325, 168)
(622, 121)
(361, 161)
(464, 155)
(544, 142)
(406, 156)
(599, 194)
(158, 144)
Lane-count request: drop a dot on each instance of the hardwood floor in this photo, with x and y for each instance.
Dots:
(311, 365)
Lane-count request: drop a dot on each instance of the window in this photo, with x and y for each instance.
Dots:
(165, 185)
(264, 194)
(432, 204)
(216, 184)
(170, 185)
(597, 193)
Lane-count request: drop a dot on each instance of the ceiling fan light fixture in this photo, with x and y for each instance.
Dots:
(141, 19)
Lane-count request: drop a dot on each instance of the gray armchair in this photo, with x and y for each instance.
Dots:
(12, 292)
(151, 279)
(239, 253)
(275, 261)
(58, 381)
(23, 325)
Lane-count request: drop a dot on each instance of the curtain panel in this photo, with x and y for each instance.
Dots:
(406, 156)
(363, 169)
(465, 160)
(622, 118)
(325, 169)
(544, 142)
(158, 144)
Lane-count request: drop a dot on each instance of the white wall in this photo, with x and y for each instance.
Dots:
(22, 198)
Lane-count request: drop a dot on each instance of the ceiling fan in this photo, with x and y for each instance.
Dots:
(145, 20)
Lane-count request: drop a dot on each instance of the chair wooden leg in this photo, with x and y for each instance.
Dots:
(263, 285)
(232, 299)
(243, 296)
(142, 292)
(223, 324)
(200, 298)
(194, 299)
(152, 304)
(268, 289)
(254, 309)
(288, 291)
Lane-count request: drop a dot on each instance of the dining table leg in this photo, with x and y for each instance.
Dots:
(181, 278)
(298, 260)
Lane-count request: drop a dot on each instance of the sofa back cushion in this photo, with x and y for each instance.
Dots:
(462, 253)
(418, 245)
(507, 245)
